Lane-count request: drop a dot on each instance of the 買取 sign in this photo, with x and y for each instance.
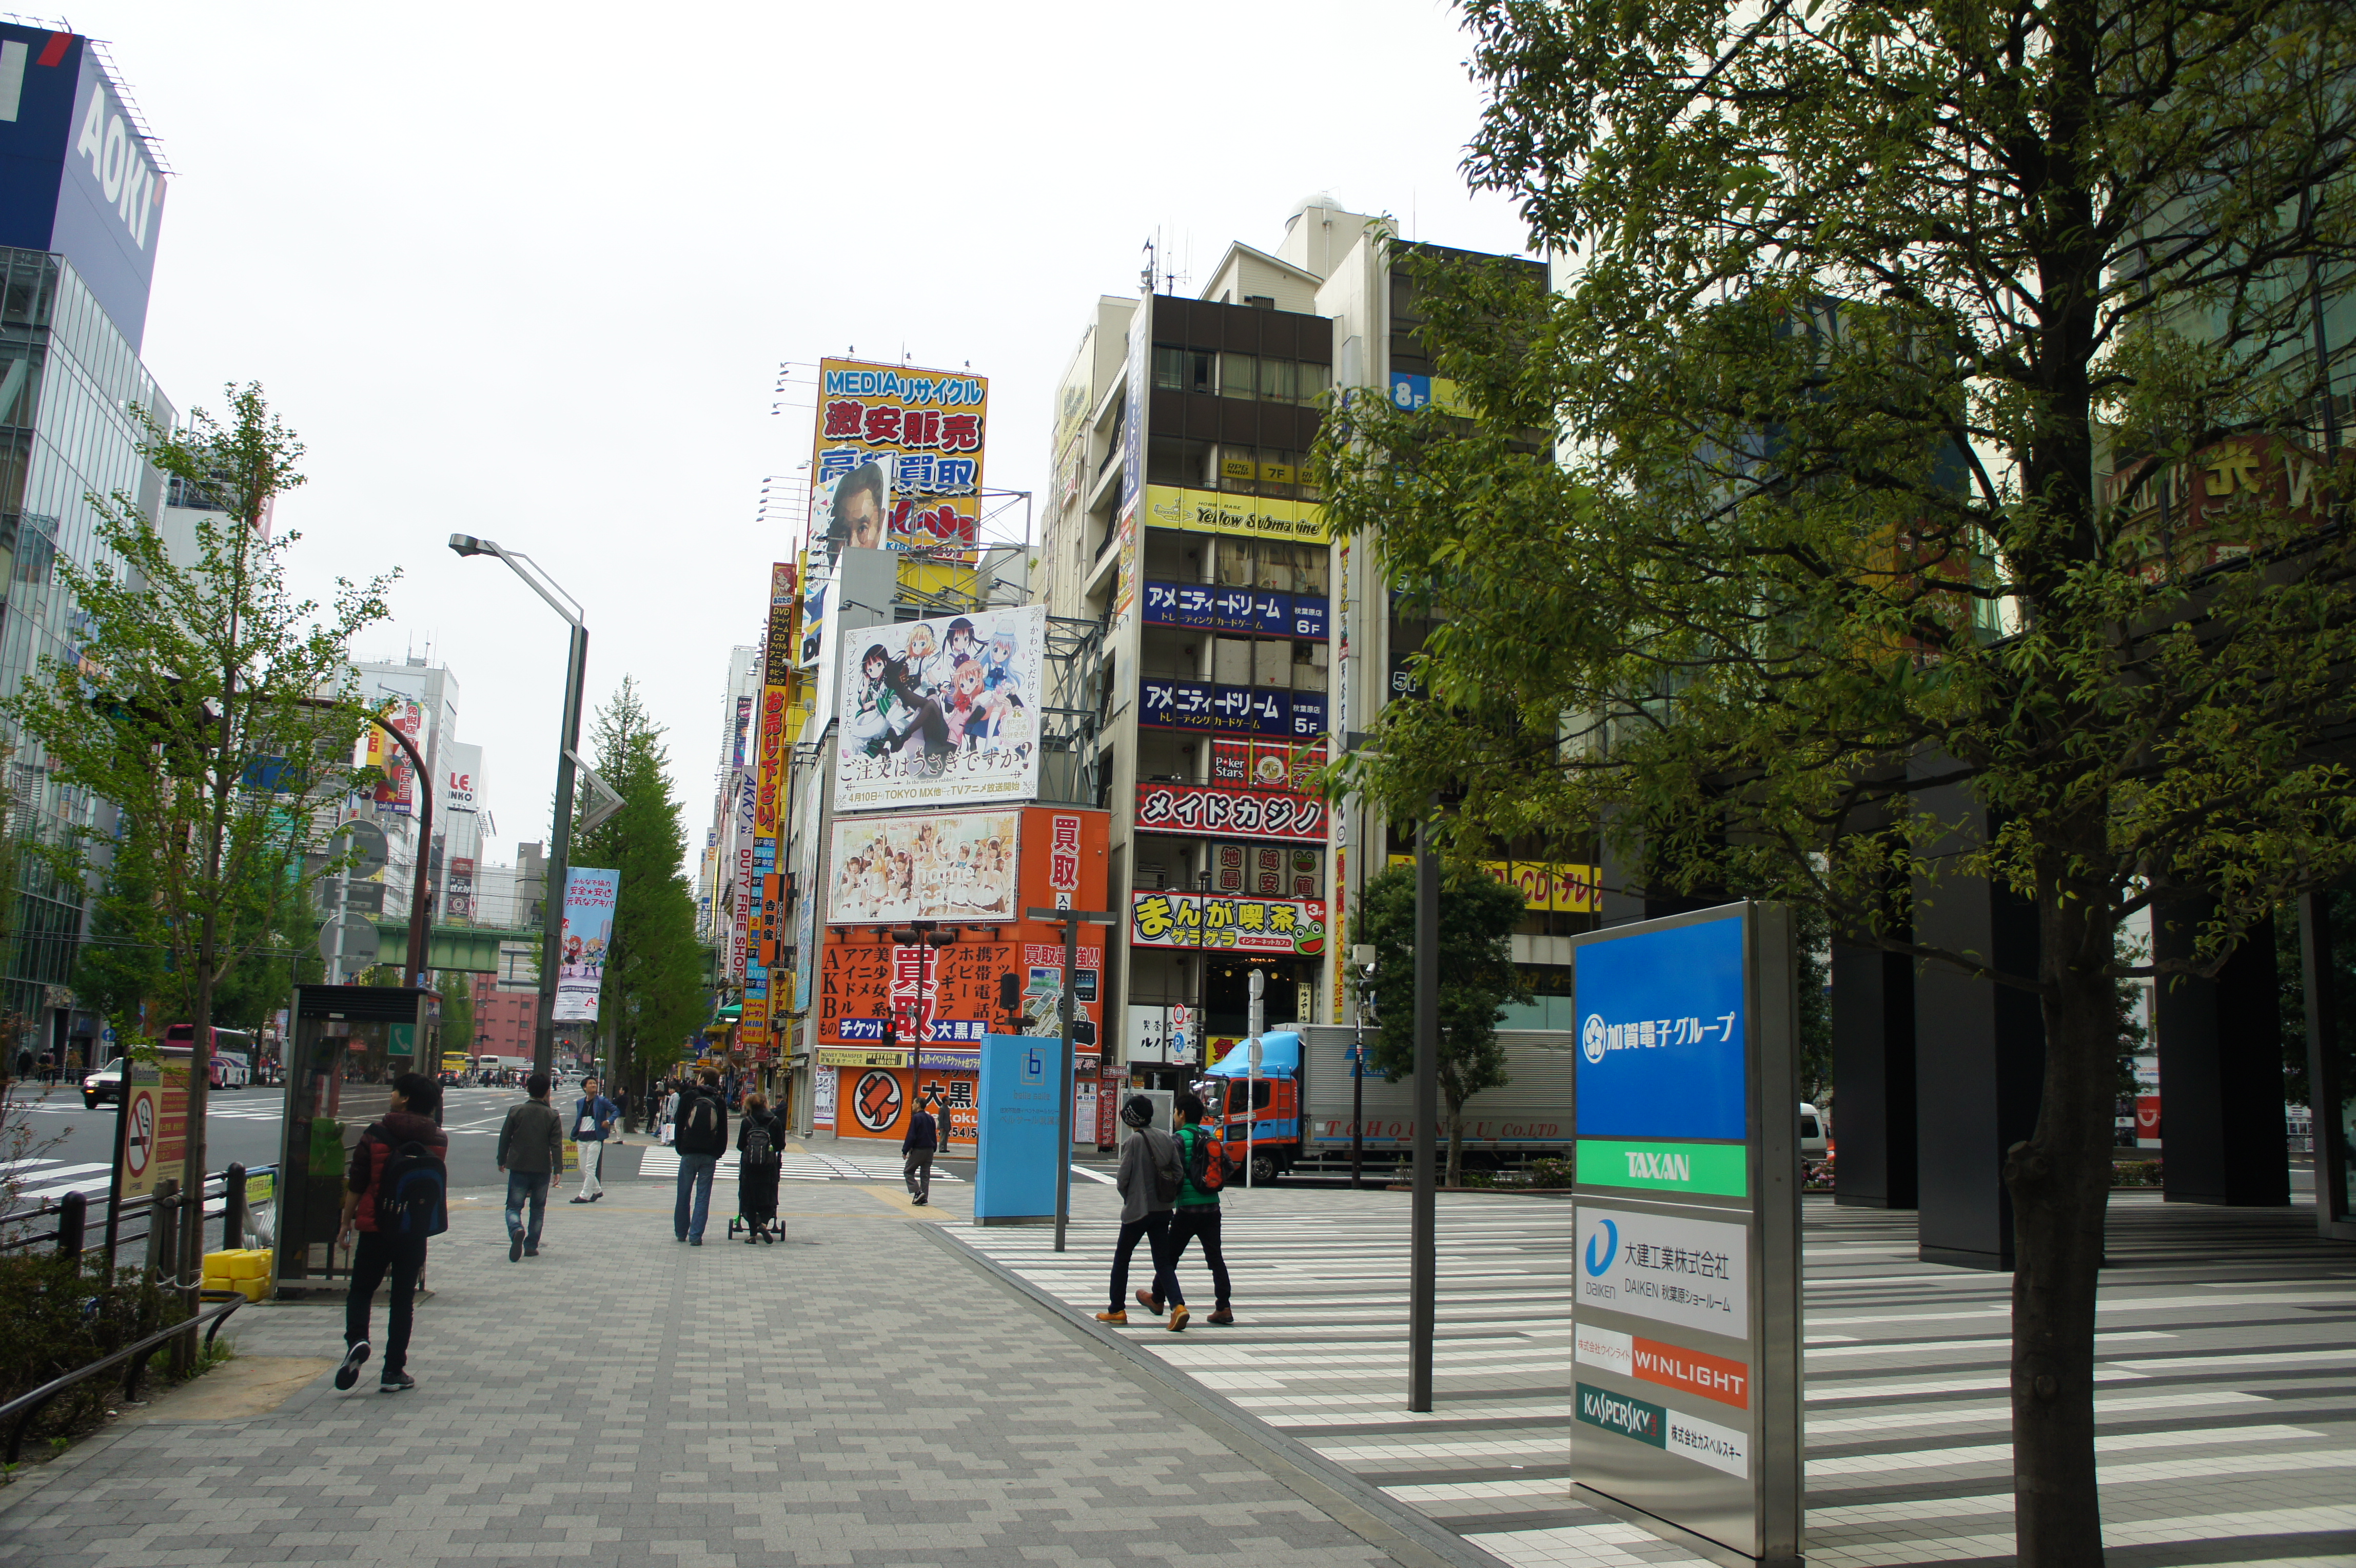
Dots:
(1686, 1301)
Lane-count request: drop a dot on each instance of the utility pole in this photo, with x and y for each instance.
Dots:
(1361, 959)
(1071, 920)
(1258, 982)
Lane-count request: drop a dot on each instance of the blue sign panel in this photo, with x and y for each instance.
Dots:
(77, 176)
(1261, 612)
(1662, 1036)
(1017, 1161)
(1270, 711)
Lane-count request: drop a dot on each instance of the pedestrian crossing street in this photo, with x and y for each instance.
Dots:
(2227, 1402)
(661, 1162)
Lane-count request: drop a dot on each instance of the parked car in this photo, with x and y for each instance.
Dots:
(106, 1083)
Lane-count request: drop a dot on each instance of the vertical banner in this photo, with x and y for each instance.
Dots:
(771, 756)
(589, 895)
(1132, 454)
(1686, 1318)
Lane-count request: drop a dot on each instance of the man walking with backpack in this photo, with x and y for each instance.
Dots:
(1203, 1164)
(1148, 1180)
(916, 1149)
(396, 1194)
(593, 1119)
(700, 1139)
(532, 1153)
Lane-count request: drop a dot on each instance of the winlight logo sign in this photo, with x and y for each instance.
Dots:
(1662, 1036)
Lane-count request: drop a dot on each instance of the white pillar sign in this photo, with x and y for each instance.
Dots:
(1685, 1376)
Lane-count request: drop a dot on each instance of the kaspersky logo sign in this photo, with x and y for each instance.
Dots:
(1672, 1431)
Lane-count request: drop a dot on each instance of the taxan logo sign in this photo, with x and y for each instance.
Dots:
(1671, 1366)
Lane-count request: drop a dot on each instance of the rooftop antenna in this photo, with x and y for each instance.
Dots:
(1146, 276)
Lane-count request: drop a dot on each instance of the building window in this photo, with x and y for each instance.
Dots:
(1182, 370)
(1238, 375)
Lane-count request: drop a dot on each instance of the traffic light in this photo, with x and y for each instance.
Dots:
(1009, 994)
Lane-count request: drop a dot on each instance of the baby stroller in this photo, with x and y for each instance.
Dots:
(757, 1164)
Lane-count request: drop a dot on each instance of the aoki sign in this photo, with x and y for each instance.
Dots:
(1685, 1307)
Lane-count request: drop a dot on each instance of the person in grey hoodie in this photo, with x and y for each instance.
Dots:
(531, 1151)
(1148, 1162)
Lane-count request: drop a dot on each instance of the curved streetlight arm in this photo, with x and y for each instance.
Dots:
(543, 584)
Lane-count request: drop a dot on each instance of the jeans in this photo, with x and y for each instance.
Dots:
(916, 1170)
(593, 1156)
(695, 1172)
(527, 1187)
(1155, 1230)
(1188, 1222)
(371, 1260)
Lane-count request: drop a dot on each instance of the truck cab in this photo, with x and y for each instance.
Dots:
(1260, 1111)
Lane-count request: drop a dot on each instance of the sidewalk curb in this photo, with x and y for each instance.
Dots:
(1366, 1510)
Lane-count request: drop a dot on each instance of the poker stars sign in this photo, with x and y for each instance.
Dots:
(1686, 1315)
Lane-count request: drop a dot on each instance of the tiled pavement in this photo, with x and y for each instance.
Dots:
(858, 1398)
(855, 1397)
(2229, 1376)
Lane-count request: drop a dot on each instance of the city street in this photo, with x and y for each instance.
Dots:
(73, 1145)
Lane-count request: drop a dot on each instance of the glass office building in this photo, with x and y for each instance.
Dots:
(67, 380)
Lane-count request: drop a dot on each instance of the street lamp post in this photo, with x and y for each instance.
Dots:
(576, 673)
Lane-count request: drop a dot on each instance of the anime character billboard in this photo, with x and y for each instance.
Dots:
(941, 712)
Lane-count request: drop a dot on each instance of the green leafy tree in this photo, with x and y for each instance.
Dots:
(457, 989)
(1477, 917)
(654, 971)
(1877, 318)
(215, 710)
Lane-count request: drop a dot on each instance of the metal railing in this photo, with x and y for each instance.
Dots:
(25, 1407)
(64, 1223)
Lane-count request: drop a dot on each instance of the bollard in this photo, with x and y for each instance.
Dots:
(73, 1218)
(233, 1208)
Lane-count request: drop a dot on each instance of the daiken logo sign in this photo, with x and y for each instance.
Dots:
(1662, 1034)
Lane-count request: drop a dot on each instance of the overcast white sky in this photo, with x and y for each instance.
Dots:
(527, 271)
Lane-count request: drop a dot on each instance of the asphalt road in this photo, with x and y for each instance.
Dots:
(244, 1125)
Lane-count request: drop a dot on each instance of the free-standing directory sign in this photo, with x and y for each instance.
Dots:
(1685, 1366)
(1017, 1156)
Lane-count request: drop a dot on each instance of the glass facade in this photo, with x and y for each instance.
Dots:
(66, 377)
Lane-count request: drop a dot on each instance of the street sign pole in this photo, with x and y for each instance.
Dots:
(1071, 920)
(1253, 1024)
(1423, 1265)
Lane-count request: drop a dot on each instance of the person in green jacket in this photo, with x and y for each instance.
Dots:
(1197, 1211)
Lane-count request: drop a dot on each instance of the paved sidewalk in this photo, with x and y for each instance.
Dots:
(860, 1396)
(2228, 1411)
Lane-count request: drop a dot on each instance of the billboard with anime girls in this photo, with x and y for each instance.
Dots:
(942, 712)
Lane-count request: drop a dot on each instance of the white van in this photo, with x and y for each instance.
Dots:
(1816, 1141)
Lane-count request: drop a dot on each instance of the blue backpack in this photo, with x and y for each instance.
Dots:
(412, 1194)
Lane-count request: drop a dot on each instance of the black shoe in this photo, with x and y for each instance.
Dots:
(695, 1240)
(580, 1200)
(354, 1359)
(515, 1245)
(531, 1251)
(596, 1196)
(395, 1383)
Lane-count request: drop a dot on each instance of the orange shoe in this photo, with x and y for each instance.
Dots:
(1221, 1316)
(1178, 1319)
(1115, 1317)
(1150, 1301)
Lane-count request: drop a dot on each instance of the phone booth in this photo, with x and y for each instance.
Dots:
(345, 1045)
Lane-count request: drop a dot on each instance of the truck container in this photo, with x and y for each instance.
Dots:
(1302, 1104)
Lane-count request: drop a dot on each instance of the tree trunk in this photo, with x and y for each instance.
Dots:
(2061, 1183)
(191, 1262)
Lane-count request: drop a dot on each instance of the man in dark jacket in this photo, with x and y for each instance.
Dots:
(532, 1153)
(700, 1139)
(917, 1151)
(1146, 1160)
(415, 1099)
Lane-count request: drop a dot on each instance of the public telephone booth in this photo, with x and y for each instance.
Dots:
(346, 1045)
